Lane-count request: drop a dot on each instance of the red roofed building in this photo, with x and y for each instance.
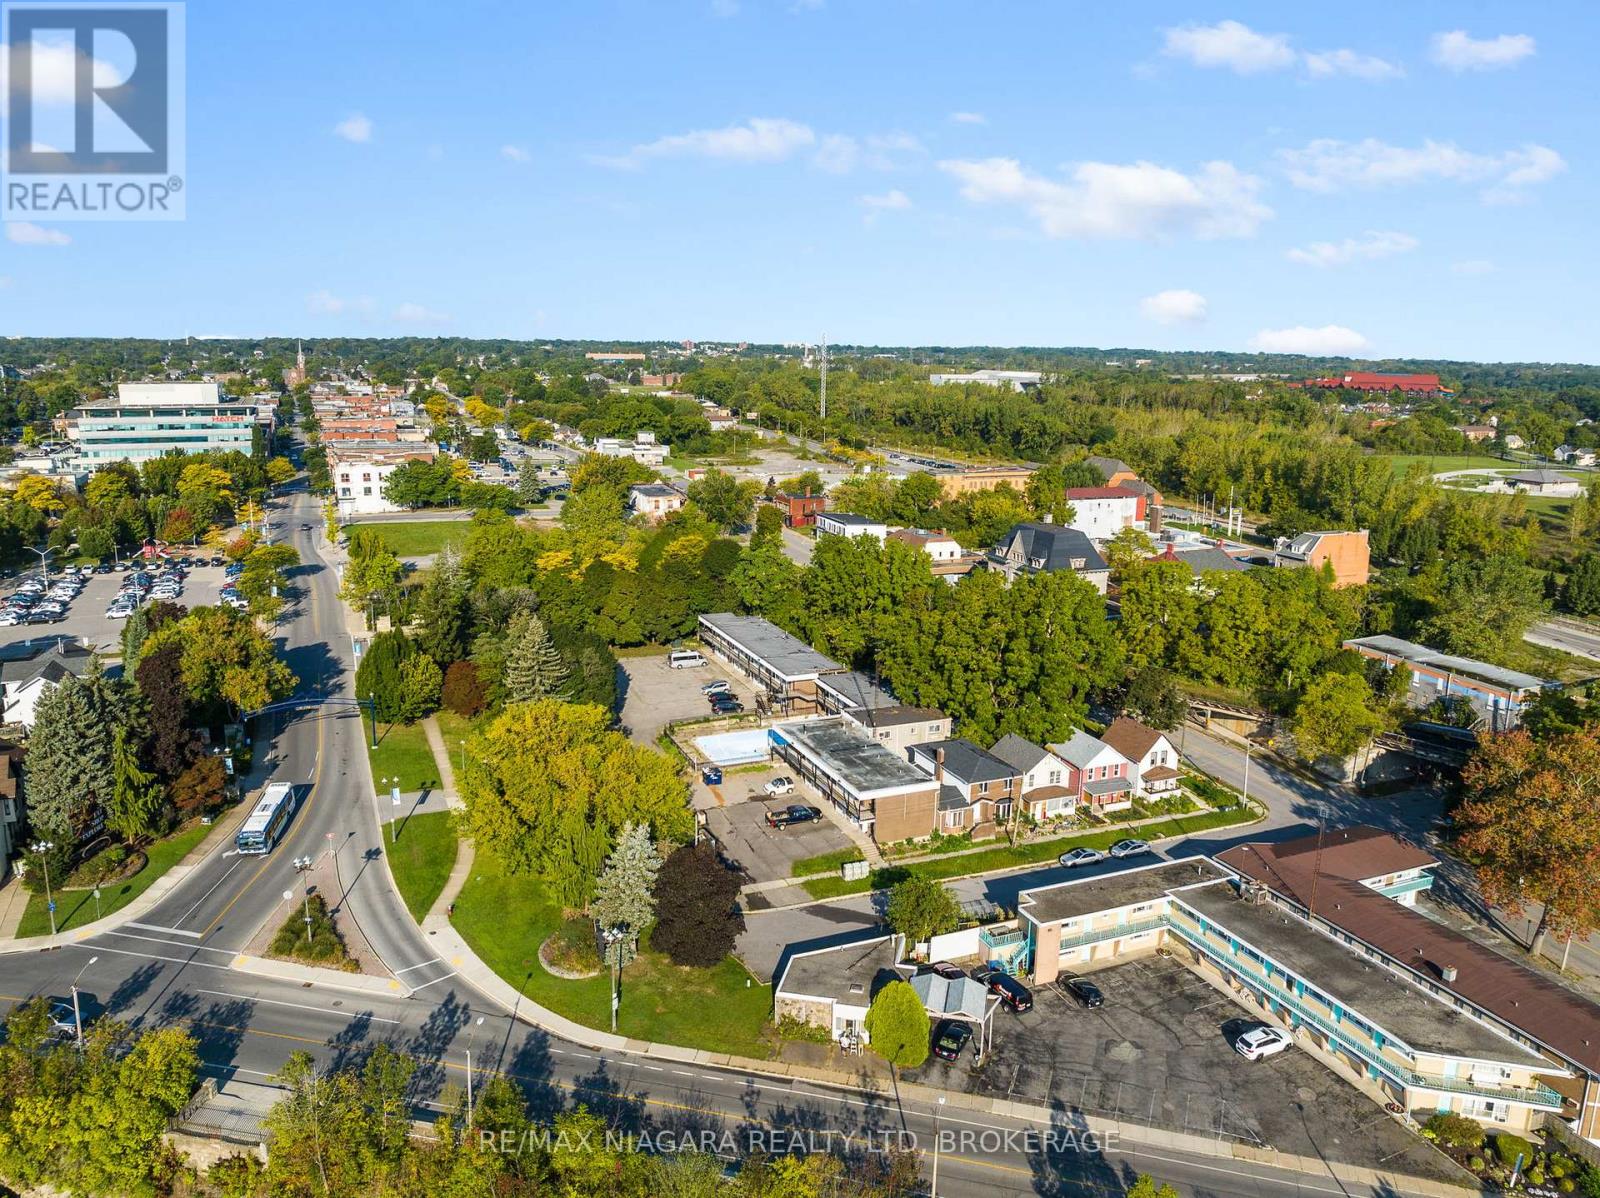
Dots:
(1366, 380)
(1100, 513)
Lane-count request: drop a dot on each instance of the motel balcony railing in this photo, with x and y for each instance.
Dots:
(1407, 886)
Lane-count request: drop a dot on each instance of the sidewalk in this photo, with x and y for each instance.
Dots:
(441, 759)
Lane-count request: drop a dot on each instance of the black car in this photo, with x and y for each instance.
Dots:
(43, 617)
(1085, 991)
(217, 561)
(795, 813)
(1012, 992)
(725, 706)
(950, 1037)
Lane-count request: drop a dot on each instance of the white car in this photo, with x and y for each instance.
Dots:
(9, 619)
(719, 687)
(779, 786)
(1075, 857)
(1261, 1042)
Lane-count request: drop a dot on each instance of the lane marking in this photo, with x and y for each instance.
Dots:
(418, 965)
(298, 1006)
(226, 874)
(193, 948)
(434, 982)
(154, 927)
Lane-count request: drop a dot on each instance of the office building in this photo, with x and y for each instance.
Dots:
(147, 420)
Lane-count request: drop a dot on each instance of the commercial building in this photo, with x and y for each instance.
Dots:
(956, 481)
(644, 449)
(1496, 694)
(1017, 380)
(147, 420)
(360, 473)
(1347, 552)
(832, 988)
(1369, 1022)
(10, 803)
(876, 715)
(843, 524)
(875, 788)
(1416, 385)
(800, 511)
(1100, 513)
(655, 500)
(783, 668)
(1544, 482)
(1035, 548)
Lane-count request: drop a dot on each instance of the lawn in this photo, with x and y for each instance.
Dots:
(505, 919)
(403, 753)
(418, 538)
(823, 863)
(420, 859)
(1440, 462)
(1034, 853)
(74, 908)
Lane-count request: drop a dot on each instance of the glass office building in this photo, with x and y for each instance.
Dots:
(147, 420)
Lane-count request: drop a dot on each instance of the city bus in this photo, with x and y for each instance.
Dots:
(266, 823)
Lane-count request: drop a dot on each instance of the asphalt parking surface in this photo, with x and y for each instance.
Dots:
(762, 853)
(1160, 1052)
(656, 695)
(86, 618)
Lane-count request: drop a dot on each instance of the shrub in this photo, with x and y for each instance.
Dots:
(1566, 1185)
(1455, 1131)
(1508, 1147)
(1536, 1176)
(464, 692)
(1477, 1164)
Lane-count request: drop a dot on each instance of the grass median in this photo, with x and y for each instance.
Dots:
(1034, 853)
(421, 857)
(506, 918)
(74, 908)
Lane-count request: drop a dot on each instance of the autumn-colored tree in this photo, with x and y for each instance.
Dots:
(198, 788)
(1532, 820)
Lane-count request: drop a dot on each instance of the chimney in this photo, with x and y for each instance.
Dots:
(938, 765)
(1447, 972)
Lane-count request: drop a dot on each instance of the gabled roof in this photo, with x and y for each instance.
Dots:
(961, 997)
(1131, 738)
(1080, 749)
(1019, 751)
(1109, 467)
(965, 760)
(52, 659)
(1056, 546)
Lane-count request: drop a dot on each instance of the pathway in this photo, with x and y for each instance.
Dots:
(441, 759)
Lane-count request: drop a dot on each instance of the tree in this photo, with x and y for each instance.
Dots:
(534, 668)
(134, 808)
(373, 570)
(1531, 817)
(548, 785)
(379, 677)
(1335, 717)
(420, 684)
(921, 908)
(1484, 604)
(40, 493)
(199, 788)
(897, 1025)
(279, 471)
(1581, 592)
(227, 662)
(697, 912)
(462, 692)
(1127, 549)
(1145, 1186)
(625, 893)
(71, 776)
(1154, 699)
(172, 742)
(724, 500)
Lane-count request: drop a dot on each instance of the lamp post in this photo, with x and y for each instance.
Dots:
(1247, 771)
(43, 848)
(393, 785)
(302, 866)
(470, 1037)
(77, 1013)
(933, 1190)
(44, 557)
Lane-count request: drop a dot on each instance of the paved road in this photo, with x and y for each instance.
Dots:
(174, 966)
(1570, 636)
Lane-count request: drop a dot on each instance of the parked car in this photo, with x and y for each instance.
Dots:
(305, 528)
(780, 786)
(1075, 857)
(711, 775)
(947, 969)
(1085, 991)
(104, 568)
(10, 619)
(794, 813)
(217, 560)
(43, 617)
(1012, 993)
(1263, 1041)
(950, 1037)
(63, 1020)
(685, 659)
(719, 687)
(1129, 848)
(722, 705)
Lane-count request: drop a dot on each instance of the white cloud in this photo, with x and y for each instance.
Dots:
(325, 303)
(515, 154)
(839, 153)
(1331, 340)
(1177, 306)
(1103, 200)
(23, 232)
(893, 199)
(409, 313)
(1229, 44)
(355, 127)
(1473, 266)
(1322, 64)
(1459, 51)
(1328, 165)
(1370, 245)
(55, 68)
(969, 118)
(761, 139)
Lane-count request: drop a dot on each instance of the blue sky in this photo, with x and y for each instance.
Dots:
(1389, 179)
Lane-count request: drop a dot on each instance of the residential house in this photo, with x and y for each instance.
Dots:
(1571, 455)
(800, 511)
(30, 669)
(1115, 471)
(949, 561)
(976, 789)
(876, 715)
(843, 524)
(1104, 779)
(832, 988)
(1154, 756)
(655, 500)
(10, 803)
(1037, 547)
(1201, 560)
(1049, 785)
(721, 420)
(1100, 513)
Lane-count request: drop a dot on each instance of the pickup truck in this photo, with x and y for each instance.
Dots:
(795, 813)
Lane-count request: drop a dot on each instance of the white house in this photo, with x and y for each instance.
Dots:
(1047, 781)
(654, 500)
(360, 477)
(831, 988)
(843, 524)
(1572, 455)
(1100, 513)
(644, 449)
(29, 670)
(1154, 757)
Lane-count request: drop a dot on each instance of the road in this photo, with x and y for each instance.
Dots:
(174, 965)
(1570, 636)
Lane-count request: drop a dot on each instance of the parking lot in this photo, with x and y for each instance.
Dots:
(1159, 1051)
(86, 618)
(656, 695)
(764, 853)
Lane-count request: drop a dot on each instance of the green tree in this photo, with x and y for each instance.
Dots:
(725, 500)
(1153, 698)
(1483, 605)
(373, 570)
(1580, 594)
(71, 774)
(920, 908)
(624, 902)
(1145, 1186)
(229, 665)
(1127, 549)
(897, 1026)
(134, 808)
(1335, 717)
(534, 667)
(421, 683)
(380, 676)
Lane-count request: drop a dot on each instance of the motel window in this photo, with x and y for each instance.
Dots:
(366, 490)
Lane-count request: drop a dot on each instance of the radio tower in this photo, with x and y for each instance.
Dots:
(824, 389)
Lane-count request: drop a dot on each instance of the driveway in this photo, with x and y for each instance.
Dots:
(1160, 1052)
(765, 854)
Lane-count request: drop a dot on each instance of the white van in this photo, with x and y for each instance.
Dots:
(685, 659)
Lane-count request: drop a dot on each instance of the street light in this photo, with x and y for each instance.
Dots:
(302, 866)
(933, 1190)
(77, 1014)
(470, 1036)
(43, 848)
(394, 801)
(44, 555)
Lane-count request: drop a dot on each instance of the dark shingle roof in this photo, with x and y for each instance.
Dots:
(965, 760)
(54, 659)
(1055, 546)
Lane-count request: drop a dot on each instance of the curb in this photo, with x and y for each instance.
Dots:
(333, 979)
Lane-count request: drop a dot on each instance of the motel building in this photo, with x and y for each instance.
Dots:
(1370, 1023)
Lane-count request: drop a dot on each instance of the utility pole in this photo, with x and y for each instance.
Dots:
(824, 388)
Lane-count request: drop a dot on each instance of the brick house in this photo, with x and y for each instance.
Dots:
(976, 788)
